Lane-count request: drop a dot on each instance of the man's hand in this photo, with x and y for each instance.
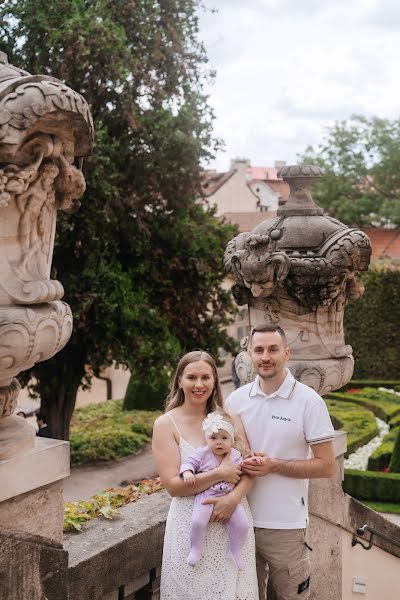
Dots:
(229, 471)
(223, 508)
(258, 465)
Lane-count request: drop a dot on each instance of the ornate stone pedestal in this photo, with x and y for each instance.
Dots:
(45, 130)
(298, 270)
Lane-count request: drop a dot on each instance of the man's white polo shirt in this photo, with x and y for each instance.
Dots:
(282, 425)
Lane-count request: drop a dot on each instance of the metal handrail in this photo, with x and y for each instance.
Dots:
(372, 531)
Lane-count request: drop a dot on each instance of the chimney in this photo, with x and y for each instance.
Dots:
(240, 163)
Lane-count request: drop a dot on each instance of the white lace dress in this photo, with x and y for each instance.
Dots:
(215, 577)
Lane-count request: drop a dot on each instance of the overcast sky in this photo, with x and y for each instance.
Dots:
(287, 69)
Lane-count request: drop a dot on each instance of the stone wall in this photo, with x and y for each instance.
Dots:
(120, 559)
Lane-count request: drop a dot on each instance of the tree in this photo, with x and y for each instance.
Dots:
(140, 261)
(362, 179)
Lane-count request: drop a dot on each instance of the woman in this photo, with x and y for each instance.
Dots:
(194, 393)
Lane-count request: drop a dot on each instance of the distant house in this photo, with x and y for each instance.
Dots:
(244, 189)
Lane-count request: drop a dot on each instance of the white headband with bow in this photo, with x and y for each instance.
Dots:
(214, 422)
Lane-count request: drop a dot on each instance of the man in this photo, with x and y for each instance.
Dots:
(284, 421)
(43, 430)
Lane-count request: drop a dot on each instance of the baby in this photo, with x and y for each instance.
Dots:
(220, 436)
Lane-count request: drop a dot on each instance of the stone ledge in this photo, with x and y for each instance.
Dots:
(46, 463)
(112, 554)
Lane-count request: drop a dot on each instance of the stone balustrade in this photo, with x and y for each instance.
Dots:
(120, 559)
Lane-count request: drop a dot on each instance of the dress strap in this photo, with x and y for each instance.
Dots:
(176, 426)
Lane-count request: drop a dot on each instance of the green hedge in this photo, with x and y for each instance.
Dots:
(384, 405)
(369, 485)
(148, 393)
(371, 326)
(359, 423)
(394, 421)
(380, 458)
(105, 432)
(371, 383)
(395, 460)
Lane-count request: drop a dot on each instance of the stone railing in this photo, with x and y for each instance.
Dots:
(121, 559)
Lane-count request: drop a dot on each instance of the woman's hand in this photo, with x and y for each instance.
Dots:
(229, 471)
(223, 507)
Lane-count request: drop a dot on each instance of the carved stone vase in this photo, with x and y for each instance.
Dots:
(298, 270)
(44, 128)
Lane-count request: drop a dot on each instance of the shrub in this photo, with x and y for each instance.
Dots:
(371, 383)
(371, 326)
(106, 432)
(369, 485)
(394, 421)
(383, 404)
(148, 393)
(359, 423)
(380, 458)
(395, 460)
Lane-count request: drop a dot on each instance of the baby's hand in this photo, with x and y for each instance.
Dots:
(188, 477)
(254, 459)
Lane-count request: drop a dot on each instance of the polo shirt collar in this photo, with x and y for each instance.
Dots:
(284, 390)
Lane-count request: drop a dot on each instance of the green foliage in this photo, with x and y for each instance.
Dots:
(148, 393)
(384, 405)
(358, 423)
(395, 421)
(362, 180)
(371, 383)
(395, 460)
(369, 485)
(371, 326)
(106, 503)
(384, 507)
(106, 432)
(140, 261)
(380, 458)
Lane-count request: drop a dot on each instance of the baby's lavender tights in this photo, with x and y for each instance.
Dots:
(237, 527)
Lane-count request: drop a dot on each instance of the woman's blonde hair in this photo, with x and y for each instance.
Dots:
(176, 396)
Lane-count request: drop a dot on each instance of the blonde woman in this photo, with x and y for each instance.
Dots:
(195, 392)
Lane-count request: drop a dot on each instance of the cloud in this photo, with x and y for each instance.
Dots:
(288, 69)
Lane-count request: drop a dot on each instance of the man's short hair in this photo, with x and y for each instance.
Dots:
(41, 417)
(269, 329)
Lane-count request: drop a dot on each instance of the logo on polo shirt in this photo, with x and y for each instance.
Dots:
(280, 418)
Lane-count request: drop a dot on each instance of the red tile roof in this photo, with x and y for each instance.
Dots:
(384, 242)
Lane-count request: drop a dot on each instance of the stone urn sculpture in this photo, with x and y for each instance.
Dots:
(45, 127)
(298, 270)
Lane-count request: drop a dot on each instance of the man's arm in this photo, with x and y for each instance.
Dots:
(321, 465)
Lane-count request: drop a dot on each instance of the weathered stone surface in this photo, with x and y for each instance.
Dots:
(38, 512)
(32, 568)
(47, 462)
(298, 270)
(110, 554)
(44, 127)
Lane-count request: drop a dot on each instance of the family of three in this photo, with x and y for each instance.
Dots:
(238, 475)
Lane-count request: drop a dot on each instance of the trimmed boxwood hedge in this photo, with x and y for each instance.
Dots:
(369, 485)
(359, 423)
(371, 383)
(384, 409)
(380, 458)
